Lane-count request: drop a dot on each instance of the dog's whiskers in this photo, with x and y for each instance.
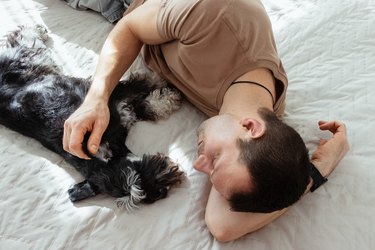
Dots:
(136, 194)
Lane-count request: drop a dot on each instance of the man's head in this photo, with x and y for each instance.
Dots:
(258, 164)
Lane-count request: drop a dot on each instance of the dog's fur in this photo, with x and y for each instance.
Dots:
(36, 99)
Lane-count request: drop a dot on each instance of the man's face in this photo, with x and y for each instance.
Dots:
(218, 154)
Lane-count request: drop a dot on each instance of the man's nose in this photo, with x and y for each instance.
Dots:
(202, 164)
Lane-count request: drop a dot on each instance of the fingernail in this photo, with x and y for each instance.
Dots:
(94, 147)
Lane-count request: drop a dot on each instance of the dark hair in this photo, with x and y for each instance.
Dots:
(278, 163)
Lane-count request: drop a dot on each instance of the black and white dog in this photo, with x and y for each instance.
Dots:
(36, 99)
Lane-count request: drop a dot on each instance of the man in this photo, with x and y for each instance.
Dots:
(221, 54)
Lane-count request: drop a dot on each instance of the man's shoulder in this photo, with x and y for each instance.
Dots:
(204, 7)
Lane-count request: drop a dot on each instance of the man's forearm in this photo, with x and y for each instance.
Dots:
(226, 225)
(123, 45)
(118, 53)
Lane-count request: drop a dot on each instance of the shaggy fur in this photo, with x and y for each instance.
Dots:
(35, 100)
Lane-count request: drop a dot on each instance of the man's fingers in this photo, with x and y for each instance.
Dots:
(72, 141)
(95, 138)
(66, 137)
(75, 144)
(339, 140)
(333, 126)
(323, 125)
(91, 117)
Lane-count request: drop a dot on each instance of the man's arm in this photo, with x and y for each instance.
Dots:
(226, 225)
(123, 45)
(119, 51)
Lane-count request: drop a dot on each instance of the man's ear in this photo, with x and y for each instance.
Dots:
(254, 127)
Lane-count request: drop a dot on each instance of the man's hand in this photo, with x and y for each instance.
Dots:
(330, 152)
(92, 116)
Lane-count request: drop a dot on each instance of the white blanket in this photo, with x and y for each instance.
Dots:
(328, 50)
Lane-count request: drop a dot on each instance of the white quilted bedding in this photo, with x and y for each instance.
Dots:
(328, 50)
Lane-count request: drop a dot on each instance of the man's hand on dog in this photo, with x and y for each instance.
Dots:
(92, 116)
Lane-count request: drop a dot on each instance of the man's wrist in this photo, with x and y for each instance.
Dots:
(98, 91)
(95, 96)
(317, 178)
(323, 167)
(309, 185)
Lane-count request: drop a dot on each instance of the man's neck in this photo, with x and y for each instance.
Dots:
(244, 99)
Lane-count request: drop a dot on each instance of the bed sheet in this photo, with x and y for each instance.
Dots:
(328, 50)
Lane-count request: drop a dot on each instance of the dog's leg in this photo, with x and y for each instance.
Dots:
(81, 191)
(126, 114)
(159, 104)
(162, 102)
(139, 98)
(26, 51)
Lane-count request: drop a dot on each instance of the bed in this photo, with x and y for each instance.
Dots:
(328, 50)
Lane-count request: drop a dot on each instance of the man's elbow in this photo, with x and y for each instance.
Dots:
(220, 234)
(222, 231)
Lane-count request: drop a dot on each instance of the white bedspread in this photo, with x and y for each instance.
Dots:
(328, 50)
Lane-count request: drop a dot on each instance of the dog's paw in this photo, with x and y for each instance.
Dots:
(34, 36)
(81, 191)
(164, 101)
(127, 115)
(41, 31)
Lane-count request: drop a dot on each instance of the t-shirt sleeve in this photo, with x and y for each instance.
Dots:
(182, 20)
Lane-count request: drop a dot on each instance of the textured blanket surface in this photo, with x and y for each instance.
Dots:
(328, 50)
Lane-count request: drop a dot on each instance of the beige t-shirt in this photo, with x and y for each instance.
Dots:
(212, 43)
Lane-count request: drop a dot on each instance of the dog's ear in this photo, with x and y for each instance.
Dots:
(158, 173)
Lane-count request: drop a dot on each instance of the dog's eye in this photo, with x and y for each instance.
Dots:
(163, 193)
(11, 77)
